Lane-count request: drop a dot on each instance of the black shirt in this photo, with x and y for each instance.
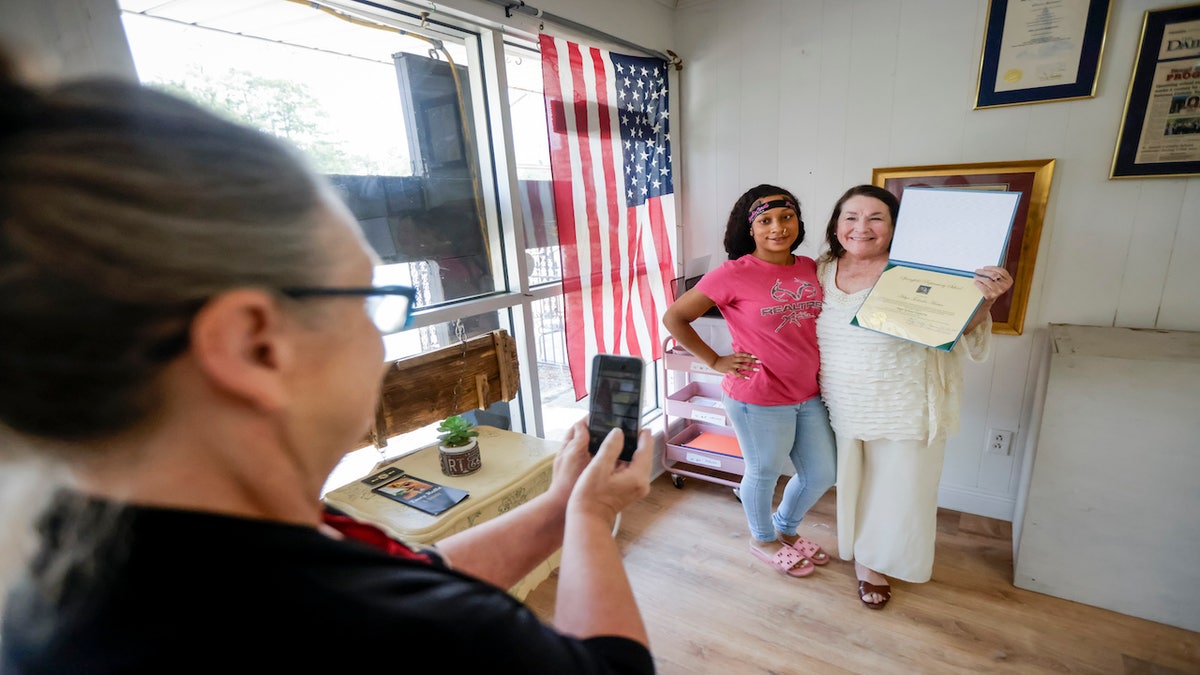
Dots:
(167, 591)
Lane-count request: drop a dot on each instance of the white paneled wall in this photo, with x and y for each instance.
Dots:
(814, 94)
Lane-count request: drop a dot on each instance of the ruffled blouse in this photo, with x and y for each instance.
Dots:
(877, 386)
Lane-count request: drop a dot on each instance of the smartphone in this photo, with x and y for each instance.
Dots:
(616, 401)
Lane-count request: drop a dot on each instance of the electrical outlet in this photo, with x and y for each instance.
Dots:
(999, 441)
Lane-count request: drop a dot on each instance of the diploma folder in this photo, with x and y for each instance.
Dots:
(927, 292)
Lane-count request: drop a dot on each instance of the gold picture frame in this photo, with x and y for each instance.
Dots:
(1029, 177)
(1033, 66)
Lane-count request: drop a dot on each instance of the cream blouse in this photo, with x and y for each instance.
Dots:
(877, 386)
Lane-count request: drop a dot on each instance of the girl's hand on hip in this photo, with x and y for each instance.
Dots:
(740, 364)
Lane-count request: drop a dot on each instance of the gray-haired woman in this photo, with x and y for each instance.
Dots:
(184, 342)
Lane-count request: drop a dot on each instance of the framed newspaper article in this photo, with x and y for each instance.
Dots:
(1030, 178)
(1160, 130)
(1038, 51)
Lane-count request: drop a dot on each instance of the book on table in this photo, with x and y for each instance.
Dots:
(399, 485)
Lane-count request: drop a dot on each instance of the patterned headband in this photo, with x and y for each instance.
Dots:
(773, 204)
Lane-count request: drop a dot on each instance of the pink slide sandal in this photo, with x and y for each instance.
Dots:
(809, 549)
(786, 561)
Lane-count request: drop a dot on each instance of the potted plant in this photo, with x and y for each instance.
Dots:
(458, 448)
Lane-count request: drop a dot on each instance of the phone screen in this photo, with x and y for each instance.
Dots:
(616, 401)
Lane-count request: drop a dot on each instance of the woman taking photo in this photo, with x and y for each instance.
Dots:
(189, 342)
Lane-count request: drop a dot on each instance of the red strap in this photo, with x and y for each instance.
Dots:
(372, 535)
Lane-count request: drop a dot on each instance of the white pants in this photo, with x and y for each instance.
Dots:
(887, 505)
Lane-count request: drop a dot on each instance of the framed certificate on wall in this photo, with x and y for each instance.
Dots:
(1041, 50)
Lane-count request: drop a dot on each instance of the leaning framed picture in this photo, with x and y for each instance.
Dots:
(1031, 178)
(1035, 52)
(1160, 130)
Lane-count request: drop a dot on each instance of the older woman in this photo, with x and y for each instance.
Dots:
(183, 332)
(892, 403)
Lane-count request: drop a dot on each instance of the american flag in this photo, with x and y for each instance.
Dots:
(610, 160)
(537, 203)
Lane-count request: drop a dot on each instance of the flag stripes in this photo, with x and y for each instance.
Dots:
(612, 185)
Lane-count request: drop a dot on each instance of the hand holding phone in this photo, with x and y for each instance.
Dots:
(616, 401)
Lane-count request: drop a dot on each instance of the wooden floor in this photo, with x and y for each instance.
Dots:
(710, 607)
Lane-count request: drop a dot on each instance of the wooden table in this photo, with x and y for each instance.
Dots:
(516, 468)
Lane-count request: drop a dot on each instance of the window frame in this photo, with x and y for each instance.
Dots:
(514, 300)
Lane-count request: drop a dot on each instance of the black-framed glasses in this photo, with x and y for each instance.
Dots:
(390, 307)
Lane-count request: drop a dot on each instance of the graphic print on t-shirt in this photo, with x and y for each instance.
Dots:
(797, 305)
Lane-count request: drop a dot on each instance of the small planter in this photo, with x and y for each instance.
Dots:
(458, 451)
(460, 461)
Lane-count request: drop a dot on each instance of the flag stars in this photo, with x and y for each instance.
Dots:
(641, 101)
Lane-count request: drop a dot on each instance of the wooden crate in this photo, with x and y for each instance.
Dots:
(430, 387)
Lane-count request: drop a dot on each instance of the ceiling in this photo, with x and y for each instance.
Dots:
(274, 20)
(287, 21)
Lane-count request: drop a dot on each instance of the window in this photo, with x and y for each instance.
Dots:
(397, 119)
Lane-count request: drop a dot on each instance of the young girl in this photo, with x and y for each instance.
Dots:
(770, 299)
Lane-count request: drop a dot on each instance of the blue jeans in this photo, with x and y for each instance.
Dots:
(768, 435)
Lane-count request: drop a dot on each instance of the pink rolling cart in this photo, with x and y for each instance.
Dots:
(700, 440)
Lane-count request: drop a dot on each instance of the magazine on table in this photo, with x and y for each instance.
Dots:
(419, 493)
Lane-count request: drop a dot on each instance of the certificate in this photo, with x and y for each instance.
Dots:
(1041, 44)
(920, 305)
(927, 292)
(1041, 50)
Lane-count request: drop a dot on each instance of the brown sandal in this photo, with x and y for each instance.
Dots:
(866, 588)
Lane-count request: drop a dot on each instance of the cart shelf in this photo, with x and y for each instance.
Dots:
(704, 446)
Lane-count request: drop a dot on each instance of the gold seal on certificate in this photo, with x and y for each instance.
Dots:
(927, 293)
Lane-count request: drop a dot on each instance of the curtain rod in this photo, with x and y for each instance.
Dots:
(521, 7)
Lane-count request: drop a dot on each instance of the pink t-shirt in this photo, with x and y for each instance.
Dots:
(772, 313)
